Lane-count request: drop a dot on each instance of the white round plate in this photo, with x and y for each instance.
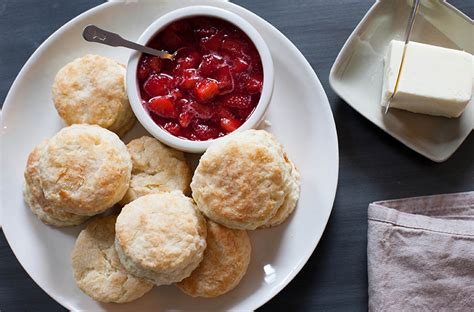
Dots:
(300, 117)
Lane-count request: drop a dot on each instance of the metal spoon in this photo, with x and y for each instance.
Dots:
(93, 33)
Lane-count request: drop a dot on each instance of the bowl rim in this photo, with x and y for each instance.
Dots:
(132, 84)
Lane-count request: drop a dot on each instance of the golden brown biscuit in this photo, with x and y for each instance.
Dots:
(91, 90)
(161, 237)
(156, 168)
(34, 197)
(84, 169)
(97, 269)
(291, 198)
(241, 181)
(225, 262)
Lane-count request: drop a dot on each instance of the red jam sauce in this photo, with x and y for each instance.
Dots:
(211, 87)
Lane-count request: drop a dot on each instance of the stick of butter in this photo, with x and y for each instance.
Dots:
(434, 80)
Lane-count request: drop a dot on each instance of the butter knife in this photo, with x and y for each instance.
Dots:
(411, 21)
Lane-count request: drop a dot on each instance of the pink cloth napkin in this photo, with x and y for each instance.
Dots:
(420, 253)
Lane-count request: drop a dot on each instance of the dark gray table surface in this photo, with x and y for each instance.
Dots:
(373, 166)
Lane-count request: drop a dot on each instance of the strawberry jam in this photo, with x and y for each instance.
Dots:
(211, 87)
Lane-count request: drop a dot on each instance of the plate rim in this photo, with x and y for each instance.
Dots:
(317, 83)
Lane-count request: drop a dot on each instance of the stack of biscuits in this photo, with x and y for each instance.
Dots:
(81, 171)
(246, 181)
(161, 235)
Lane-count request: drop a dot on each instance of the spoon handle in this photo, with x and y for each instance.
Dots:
(93, 33)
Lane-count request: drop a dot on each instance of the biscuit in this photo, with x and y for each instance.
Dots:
(97, 269)
(156, 168)
(84, 169)
(91, 90)
(126, 127)
(241, 180)
(225, 262)
(289, 203)
(34, 197)
(161, 237)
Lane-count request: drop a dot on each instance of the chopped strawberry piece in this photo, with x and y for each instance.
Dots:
(172, 128)
(158, 84)
(234, 46)
(194, 58)
(254, 84)
(210, 63)
(212, 42)
(162, 106)
(205, 132)
(202, 111)
(190, 78)
(176, 94)
(241, 82)
(154, 63)
(223, 112)
(206, 90)
(190, 60)
(224, 80)
(240, 65)
(143, 71)
(180, 103)
(197, 110)
(230, 124)
(185, 118)
(239, 101)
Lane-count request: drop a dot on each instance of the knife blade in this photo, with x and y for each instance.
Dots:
(411, 22)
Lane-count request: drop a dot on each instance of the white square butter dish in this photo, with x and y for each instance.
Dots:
(357, 74)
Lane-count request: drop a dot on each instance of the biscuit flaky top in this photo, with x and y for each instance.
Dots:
(97, 268)
(161, 232)
(34, 196)
(225, 262)
(91, 90)
(85, 169)
(242, 180)
(291, 198)
(156, 168)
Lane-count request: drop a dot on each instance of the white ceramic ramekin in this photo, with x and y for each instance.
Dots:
(133, 88)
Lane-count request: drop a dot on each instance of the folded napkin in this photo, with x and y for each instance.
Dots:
(420, 253)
